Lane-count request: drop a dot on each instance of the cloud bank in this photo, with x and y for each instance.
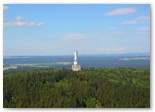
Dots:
(121, 11)
(138, 20)
(111, 50)
(143, 29)
(75, 36)
(19, 21)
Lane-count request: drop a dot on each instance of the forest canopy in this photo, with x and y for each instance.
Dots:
(88, 88)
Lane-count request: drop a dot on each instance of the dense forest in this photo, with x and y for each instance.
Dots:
(88, 88)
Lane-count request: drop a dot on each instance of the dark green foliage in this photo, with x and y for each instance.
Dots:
(90, 88)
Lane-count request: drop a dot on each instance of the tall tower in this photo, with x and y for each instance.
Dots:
(75, 57)
(75, 66)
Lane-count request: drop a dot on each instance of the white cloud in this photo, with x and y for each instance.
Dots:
(110, 50)
(5, 7)
(75, 36)
(19, 21)
(138, 20)
(118, 32)
(143, 29)
(19, 18)
(143, 32)
(121, 11)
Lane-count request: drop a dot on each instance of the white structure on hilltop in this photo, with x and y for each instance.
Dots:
(75, 66)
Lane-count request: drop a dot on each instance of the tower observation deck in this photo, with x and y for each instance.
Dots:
(75, 66)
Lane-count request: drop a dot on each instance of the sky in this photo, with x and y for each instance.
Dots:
(59, 29)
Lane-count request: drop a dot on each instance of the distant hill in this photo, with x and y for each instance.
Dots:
(89, 88)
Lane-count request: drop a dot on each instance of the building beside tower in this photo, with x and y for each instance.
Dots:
(75, 66)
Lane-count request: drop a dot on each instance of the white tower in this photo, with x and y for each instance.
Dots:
(75, 57)
(75, 66)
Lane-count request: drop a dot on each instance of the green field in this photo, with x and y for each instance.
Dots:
(89, 88)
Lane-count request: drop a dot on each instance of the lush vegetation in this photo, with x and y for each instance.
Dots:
(89, 88)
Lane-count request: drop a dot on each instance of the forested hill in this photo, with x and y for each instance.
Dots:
(89, 88)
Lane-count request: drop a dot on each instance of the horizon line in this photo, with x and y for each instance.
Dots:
(148, 53)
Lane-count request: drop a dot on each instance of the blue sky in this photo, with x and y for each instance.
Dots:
(60, 29)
